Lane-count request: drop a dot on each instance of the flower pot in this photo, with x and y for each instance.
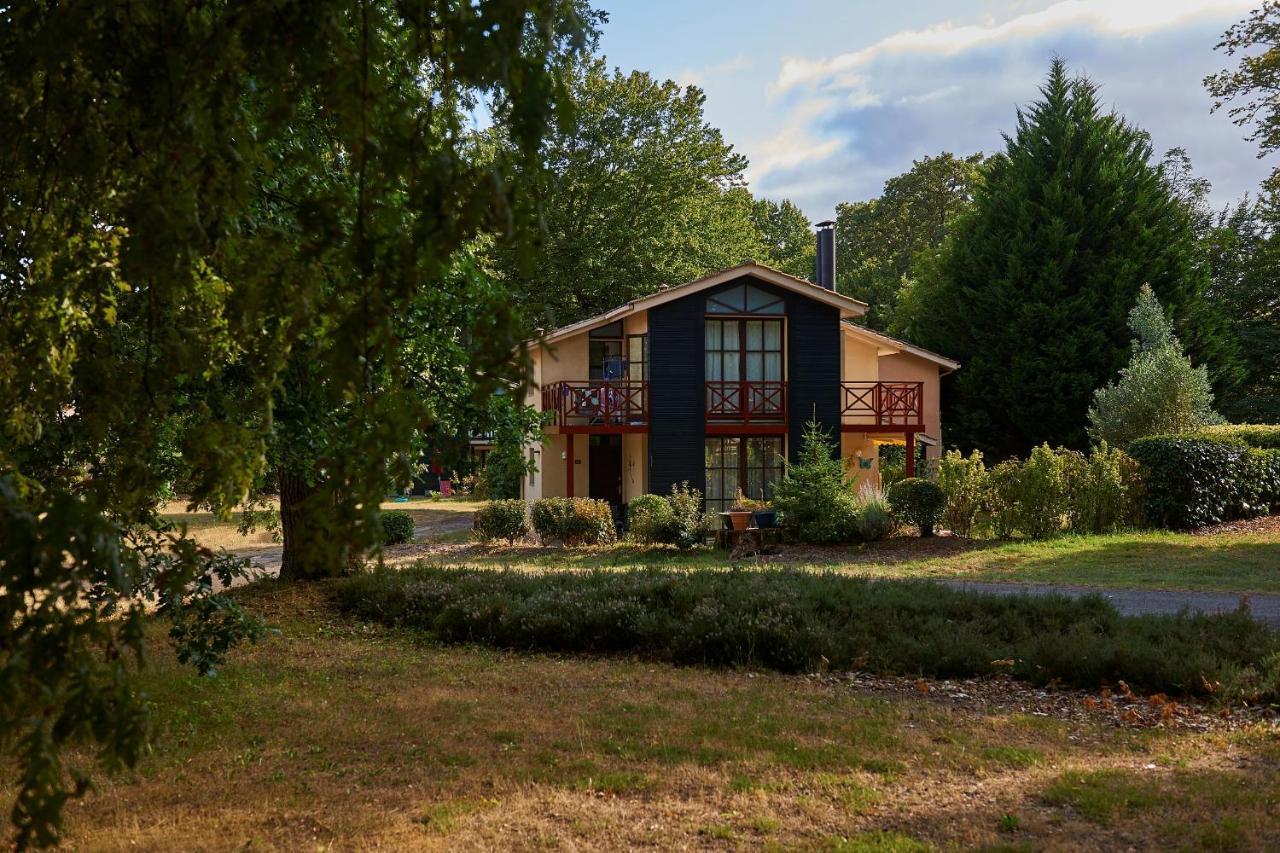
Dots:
(766, 519)
(740, 520)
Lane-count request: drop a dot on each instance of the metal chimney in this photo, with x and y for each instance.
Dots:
(825, 264)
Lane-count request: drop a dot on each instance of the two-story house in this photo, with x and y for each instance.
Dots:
(712, 382)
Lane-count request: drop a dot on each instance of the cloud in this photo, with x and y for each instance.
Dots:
(1104, 17)
(846, 124)
(699, 76)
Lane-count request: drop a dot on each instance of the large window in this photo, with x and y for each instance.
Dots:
(750, 464)
(605, 352)
(638, 357)
(743, 349)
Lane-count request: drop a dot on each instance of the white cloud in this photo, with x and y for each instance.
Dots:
(699, 76)
(1104, 17)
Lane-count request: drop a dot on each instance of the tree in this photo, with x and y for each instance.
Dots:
(1159, 392)
(815, 497)
(1253, 83)
(878, 242)
(787, 236)
(1032, 289)
(515, 427)
(640, 192)
(169, 232)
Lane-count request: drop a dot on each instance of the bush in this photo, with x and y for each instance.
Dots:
(1104, 491)
(397, 528)
(798, 621)
(919, 502)
(691, 524)
(1208, 477)
(814, 498)
(506, 519)
(650, 519)
(964, 482)
(1033, 497)
(573, 521)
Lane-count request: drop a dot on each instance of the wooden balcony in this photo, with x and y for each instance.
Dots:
(882, 406)
(746, 406)
(597, 406)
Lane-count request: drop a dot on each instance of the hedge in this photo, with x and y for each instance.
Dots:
(798, 621)
(573, 521)
(397, 528)
(1210, 476)
(502, 519)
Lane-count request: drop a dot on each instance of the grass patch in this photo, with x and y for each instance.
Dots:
(797, 621)
(1102, 794)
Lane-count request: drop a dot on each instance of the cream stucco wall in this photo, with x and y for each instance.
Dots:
(904, 367)
(860, 362)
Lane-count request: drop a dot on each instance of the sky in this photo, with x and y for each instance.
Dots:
(828, 99)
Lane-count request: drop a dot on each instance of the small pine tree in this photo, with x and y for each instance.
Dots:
(815, 498)
(1160, 391)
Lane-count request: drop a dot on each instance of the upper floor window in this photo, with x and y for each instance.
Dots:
(745, 299)
(605, 352)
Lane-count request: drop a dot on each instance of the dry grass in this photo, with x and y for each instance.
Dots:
(336, 735)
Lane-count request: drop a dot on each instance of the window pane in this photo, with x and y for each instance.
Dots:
(755, 367)
(773, 335)
(730, 366)
(755, 336)
(713, 334)
(772, 367)
(731, 331)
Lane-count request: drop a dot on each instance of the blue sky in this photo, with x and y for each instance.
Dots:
(828, 99)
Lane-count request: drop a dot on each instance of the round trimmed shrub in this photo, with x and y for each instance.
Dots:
(397, 528)
(504, 519)
(573, 521)
(650, 519)
(919, 502)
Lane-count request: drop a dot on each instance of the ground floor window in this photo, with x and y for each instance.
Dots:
(750, 464)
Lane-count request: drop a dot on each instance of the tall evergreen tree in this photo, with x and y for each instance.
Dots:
(1033, 290)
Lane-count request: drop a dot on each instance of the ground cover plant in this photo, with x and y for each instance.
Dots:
(477, 748)
(802, 621)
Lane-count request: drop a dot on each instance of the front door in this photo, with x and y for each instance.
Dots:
(605, 461)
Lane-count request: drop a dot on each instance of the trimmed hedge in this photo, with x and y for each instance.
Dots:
(650, 519)
(505, 519)
(573, 521)
(798, 621)
(397, 528)
(1210, 476)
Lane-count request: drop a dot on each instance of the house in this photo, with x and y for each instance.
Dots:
(712, 382)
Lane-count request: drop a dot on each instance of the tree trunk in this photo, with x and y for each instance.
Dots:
(297, 561)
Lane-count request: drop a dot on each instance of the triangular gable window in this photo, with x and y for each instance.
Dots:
(745, 299)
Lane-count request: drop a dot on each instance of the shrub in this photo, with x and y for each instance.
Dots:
(1207, 477)
(1032, 497)
(964, 482)
(1104, 491)
(506, 519)
(815, 498)
(573, 521)
(650, 519)
(691, 524)
(1002, 497)
(1159, 391)
(797, 621)
(872, 520)
(919, 502)
(397, 528)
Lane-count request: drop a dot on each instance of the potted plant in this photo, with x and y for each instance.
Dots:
(740, 513)
(765, 517)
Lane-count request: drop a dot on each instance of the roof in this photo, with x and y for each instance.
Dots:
(848, 307)
(893, 346)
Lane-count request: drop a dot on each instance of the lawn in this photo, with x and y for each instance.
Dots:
(1229, 562)
(338, 734)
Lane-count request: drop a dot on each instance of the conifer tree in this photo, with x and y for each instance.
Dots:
(1160, 391)
(1034, 287)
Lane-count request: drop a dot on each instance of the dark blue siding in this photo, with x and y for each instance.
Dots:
(676, 376)
(813, 367)
(676, 367)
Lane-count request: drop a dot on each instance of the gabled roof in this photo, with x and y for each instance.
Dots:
(848, 307)
(893, 346)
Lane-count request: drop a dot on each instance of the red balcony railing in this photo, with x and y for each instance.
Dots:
(882, 404)
(746, 402)
(593, 403)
